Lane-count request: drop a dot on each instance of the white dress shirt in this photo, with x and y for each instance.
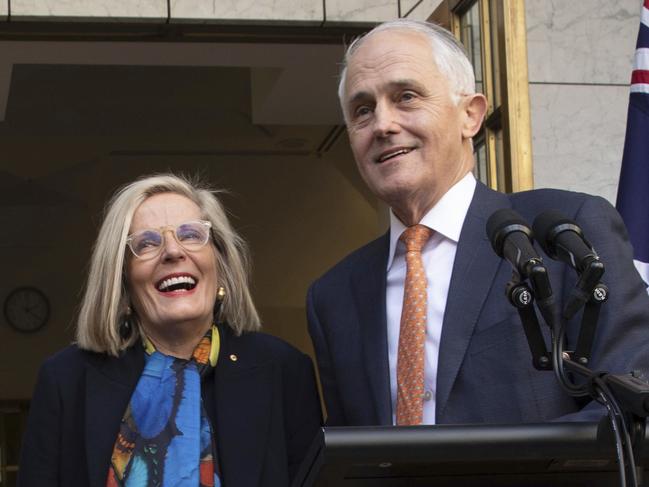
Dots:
(446, 219)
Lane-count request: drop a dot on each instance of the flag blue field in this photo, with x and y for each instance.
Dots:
(633, 189)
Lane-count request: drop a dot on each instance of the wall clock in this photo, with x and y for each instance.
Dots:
(27, 309)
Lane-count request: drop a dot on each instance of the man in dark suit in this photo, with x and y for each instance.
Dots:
(457, 352)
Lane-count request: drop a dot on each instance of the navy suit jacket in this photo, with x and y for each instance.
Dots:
(485, 372)
(264, 409)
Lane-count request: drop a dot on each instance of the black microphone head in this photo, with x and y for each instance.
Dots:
(501, 223)
(548, 225)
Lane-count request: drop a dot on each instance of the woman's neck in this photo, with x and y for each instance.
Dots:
(178, 342)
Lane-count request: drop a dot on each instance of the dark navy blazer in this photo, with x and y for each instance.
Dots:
(264, 408)
(485, 373)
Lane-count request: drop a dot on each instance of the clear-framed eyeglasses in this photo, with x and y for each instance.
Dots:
(147, 243)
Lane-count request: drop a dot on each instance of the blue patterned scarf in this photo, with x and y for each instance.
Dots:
(165, 437)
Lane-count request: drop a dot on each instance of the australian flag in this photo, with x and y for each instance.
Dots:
(633, 190)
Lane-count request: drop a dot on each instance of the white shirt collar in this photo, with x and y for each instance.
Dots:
(446, 217)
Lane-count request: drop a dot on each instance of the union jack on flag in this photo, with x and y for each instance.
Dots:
(633, 189)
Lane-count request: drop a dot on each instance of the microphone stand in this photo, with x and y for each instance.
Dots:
(630, 392)
(521, 296)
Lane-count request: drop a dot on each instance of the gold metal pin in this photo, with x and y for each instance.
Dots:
(234, 358)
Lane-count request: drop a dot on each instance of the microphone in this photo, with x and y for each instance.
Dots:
(562, 239)
(511, 239)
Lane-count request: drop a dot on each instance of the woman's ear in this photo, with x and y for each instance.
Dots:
(474, 108)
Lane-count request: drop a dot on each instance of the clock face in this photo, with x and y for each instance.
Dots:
(27, 309)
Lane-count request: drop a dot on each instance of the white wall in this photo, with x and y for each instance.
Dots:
(580, 57)
(314, 12)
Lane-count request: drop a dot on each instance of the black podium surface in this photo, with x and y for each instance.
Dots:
(530, 455)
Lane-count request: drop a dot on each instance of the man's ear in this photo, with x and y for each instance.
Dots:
(474, 108)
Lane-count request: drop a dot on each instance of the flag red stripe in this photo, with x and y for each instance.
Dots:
(640, 75)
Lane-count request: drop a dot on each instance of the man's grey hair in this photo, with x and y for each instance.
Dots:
(447, 53)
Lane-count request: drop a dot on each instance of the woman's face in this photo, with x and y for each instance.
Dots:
(176, 289)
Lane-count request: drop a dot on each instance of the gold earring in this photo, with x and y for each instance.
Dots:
(220, 296)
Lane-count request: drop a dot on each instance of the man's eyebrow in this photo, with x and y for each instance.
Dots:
(406, 83)
(396, 84)
(359, 96)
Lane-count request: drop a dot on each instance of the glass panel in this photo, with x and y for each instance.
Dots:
(470, 35)
(12, 479)
(13, 432)
(481, 171)
(496, 46)
(13, 418)
(504, 172)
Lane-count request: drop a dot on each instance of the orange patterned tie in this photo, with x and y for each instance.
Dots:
(412, 334)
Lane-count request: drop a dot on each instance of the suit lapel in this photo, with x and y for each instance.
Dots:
(109, 385)
(368, 287)
(244, 395)
(473, 272)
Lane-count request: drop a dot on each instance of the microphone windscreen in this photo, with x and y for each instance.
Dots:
(501, 223)
(546, 227)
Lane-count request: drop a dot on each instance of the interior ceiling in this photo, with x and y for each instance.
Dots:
(164, 101)
(80, 119)
(239, 97)
(69, 104)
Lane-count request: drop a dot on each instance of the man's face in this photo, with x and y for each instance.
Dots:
(405, 129)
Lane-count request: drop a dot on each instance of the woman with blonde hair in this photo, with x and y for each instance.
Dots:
(169, 382)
